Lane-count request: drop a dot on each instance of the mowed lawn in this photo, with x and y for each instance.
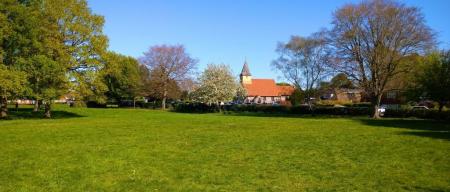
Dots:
(146, 150)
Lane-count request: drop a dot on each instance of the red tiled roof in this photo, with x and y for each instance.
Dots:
(285, 89)
(267, 87)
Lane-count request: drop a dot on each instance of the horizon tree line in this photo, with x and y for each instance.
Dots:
(371, 42)
(54, 47)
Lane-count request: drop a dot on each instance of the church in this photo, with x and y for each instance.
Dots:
(264, 91)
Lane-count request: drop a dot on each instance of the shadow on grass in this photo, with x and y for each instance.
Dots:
(284, 115)
(418, 188)
(27, 113)
(422, 128)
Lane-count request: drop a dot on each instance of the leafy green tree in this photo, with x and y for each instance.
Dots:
(20, 34)
(54, 40)
(434, 80)
(48, 79)
(341, 81)
(297, 97)
(79, 43)
(122, 77)
(12, 83)
(5, 30)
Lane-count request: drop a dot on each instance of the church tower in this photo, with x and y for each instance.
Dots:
(246, 77)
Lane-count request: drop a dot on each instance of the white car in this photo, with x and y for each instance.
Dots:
(382, 110)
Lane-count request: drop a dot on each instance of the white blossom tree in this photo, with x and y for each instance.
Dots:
(217, 84)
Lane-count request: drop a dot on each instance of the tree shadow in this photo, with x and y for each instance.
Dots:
(415, 127)
(422, 128)
(27, 113)
(290, 115)
(418, 188)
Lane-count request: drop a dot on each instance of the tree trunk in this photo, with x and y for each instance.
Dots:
(376, 100)
(441, 106)
(134, 102)
(47, 113)
(36, 106)
(219, 107)
(3, 107)
(163, 104)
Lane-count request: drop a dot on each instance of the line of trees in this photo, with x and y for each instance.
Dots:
(47, 48)
(371, 42)
(56, 47)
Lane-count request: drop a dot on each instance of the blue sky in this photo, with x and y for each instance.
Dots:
(230, 31)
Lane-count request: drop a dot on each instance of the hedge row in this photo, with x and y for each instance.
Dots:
(270, 109)
(195, 108)
(320, 110)
(129, 104)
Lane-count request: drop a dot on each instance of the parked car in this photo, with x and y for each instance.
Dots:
(382, 110)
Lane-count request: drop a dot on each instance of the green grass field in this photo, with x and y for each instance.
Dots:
(145, 150)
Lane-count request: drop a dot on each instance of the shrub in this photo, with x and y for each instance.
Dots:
(195, 108)
(78, 104)
(365, 104)
(95, 104)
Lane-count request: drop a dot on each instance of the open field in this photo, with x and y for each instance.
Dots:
(145, 150)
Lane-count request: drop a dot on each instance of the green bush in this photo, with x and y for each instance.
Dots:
(95, 104)
(364, 104)
(80, 104)
(195, 108)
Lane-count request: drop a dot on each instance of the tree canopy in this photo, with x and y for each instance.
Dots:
(371, 38)
(12, 83)
(217, 84)
(122, 77)
(168, 64)
(433, 82)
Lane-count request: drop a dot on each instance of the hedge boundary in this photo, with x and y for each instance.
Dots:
(306, 110)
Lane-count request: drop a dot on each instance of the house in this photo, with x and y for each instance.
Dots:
(64, 99)
(23, 101)
(264, 91)
(343, 95)
(393, 98)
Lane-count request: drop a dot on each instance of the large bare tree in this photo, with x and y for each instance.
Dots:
(372, 37)
(303, 61)
(171, 63)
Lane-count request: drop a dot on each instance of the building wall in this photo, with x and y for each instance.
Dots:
(267, 100)
(246, 79)
(346, 96)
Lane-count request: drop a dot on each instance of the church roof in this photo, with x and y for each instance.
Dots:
(245, 71)
(267, 87)
(285, 89)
